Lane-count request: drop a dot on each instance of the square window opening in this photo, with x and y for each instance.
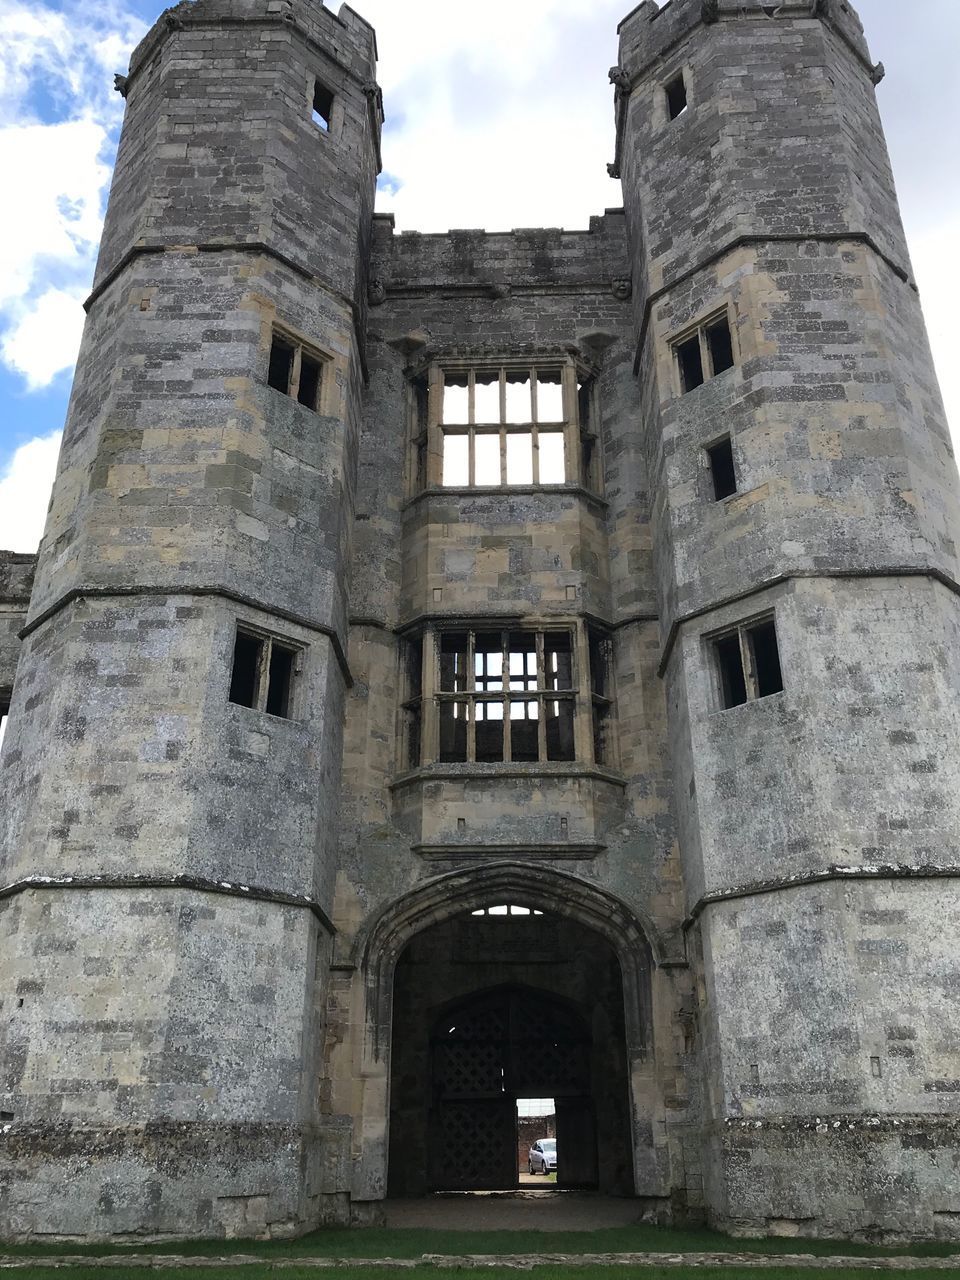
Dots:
(720, 345)
(733, 684)
(322, 106)
(691, 363)
(676, 91)
(722, 469)
(263, 674)
(765, 655)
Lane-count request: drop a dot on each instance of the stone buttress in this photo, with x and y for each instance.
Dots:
(166, 854)
(818, 825)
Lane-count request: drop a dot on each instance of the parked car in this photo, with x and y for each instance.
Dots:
(543, 1156)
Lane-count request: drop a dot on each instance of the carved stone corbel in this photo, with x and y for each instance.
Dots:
(376, 292)
(877, 73)
(121, 84)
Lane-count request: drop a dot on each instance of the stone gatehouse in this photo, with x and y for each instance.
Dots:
(461, 668)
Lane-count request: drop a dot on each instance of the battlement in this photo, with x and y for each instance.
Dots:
(650, 31)
(499, 261)
(344, 36)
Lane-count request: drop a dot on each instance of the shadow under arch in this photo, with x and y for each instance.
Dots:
(635, 941)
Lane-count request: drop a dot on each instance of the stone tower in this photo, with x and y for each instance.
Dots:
(471, 668)
(186, 850)
(805, 529)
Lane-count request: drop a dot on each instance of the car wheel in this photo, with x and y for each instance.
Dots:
(530, 1167)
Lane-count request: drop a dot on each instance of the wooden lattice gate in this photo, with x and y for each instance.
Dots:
(485, 1054)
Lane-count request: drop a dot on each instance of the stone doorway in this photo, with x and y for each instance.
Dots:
(491, 1006)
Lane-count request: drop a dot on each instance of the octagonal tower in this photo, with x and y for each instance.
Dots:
(805, 527)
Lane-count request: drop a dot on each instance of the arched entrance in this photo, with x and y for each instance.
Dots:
(493, 1006)
(488, 1052)
(390, 1034)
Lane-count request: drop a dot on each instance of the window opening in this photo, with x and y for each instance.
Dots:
(4, 714)
(279, 680)
(281, 365)
(720, 456)
(309, 389)
(412, 677)
(506, 696)
(503, 427)
(766, 659)
(506, 909)
(720, 346)
(748, 663)
(676, 91)
(262, 675)
(295, 371)
(691, 363)
(705, 353)
(322, 106)
(601, 689)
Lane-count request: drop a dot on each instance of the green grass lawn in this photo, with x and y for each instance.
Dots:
(383, 1242)
(264, 1271)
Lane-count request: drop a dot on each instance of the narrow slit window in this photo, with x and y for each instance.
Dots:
(766, 659)
(720, 346)
(733, 684)
(279, 681)
(4, 715)
(247, 654)
(308, 393)
(748, 663)
(281, 365)
(413, 702)
(676, 91)
(322, 106)
(691, 363)
(263, 674)
(722, 470)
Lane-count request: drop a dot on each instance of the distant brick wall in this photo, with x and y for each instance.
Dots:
(531, 1131)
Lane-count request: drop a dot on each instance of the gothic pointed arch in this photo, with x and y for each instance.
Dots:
(635, 941)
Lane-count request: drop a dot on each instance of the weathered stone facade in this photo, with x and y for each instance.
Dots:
(231, 930)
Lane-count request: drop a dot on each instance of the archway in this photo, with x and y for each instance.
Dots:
(492, 1006)
(636, 951)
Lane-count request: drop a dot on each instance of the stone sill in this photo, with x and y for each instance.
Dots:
(509, 491)
(497, 772)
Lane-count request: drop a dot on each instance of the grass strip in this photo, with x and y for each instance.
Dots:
(266, 1271)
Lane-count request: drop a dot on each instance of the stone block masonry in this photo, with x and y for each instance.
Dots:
(443, 647)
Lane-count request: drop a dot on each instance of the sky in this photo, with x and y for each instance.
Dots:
(512, 94)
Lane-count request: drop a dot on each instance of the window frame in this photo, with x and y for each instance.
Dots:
(300, 348)
(6, 697)
(422, 698)
(743, 632)
(261, 692)
(699, 330)
(428, 432)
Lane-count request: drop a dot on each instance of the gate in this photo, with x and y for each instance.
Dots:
(486, 1053)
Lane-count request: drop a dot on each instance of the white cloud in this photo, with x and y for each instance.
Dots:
(50, 227)
(25, 493)
(46, 339)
